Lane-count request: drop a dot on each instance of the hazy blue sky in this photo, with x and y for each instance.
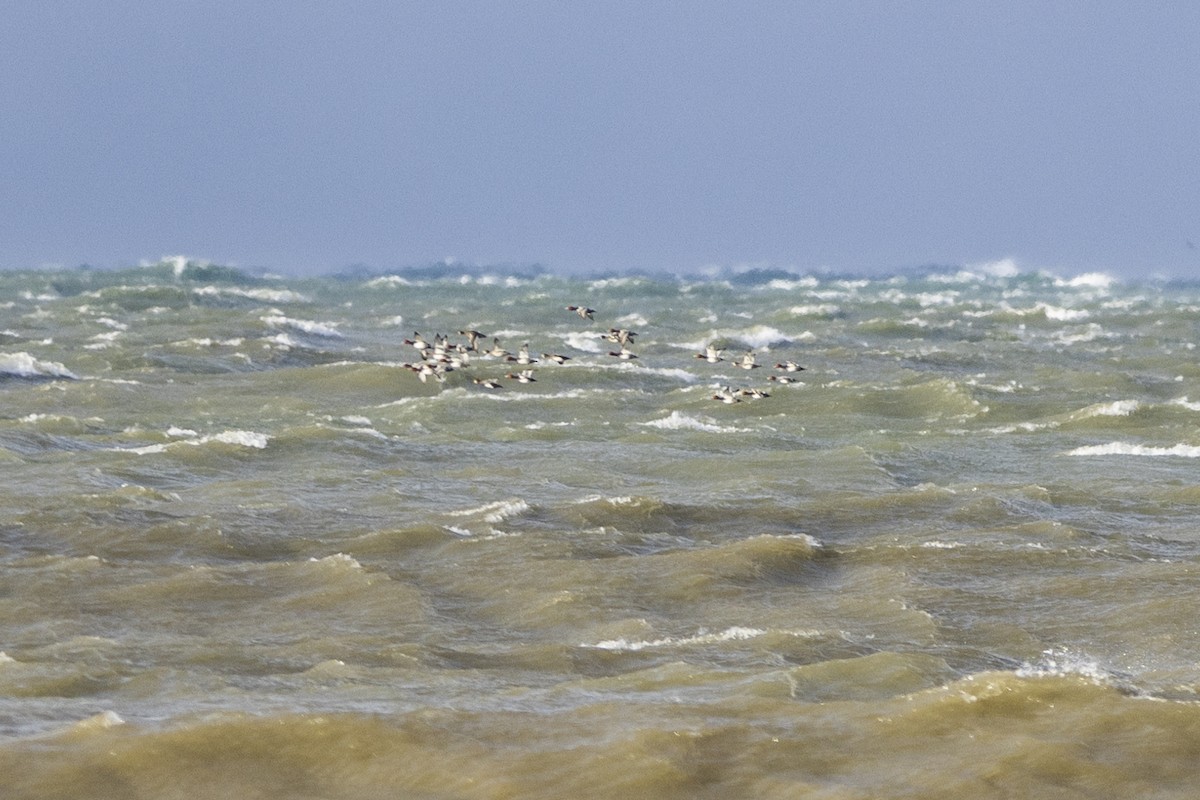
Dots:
(308, 136)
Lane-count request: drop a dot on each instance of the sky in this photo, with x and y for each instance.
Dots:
(305, 137)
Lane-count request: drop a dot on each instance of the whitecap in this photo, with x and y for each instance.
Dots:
(587, 342)
(101, 721)
(1059, 662)
(635, 320)
(494, 512)
(787, 285)
(251, 439)
(243, 438)
(510, 334)
(665, 372)
(1089, 280)
(460, 395)
(1060, 314)
(1000, 268)
(761, 336)
(757, 337)
(282, 340)
(816, 310)
(112, 323)
(102, 340)
(677, 421)
(1090, 333)
(1125, 449)
(178, 264)
(1189, 405)
(387, 281)
(338, 560)
(264, 295)
(606, 283)
(325, 329)
(620, 500)
(23, 365)
(1117, 408)
(735, 633)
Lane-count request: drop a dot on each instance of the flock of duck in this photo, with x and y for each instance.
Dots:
(441, 356)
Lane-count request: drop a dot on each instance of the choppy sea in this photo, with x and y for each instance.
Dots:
(282, 538)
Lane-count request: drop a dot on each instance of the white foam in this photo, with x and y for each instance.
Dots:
(102, 340)
(537, 426)
(620, 500)
(1001, 268)
(923, 299)
(1125, 449)
(388, 281)
(1060, 314)
(1117, 408)
(1090, 333)
(587, 342)
(728, 635)
(678, 421)
(338, 560)
(250, 439)
(666, 372)
(816, 310)
(112, 323)
(787, 285)
(606, 283)
(460, 395)
(178, 264)
(282, 340)
(633, 320)
(24, 365)
(1059, 662)
(761, 336)
(243, 438)
(1183, 401)
(1090, 280)
(101, 721)
(756, 337)
(325, 329)
(265, 295)
(494, 512)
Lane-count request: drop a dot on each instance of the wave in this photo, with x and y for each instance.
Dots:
(1063, 662)
(250, 439)
(326, 330)
(24, 365)
(494, 512)
(1089, 280)
(1126, 449)
(756, 337)
(678, 421)
(263, 295)
(732, 634)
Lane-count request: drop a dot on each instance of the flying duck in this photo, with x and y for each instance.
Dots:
(583, 311)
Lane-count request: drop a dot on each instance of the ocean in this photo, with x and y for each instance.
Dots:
(283, 537)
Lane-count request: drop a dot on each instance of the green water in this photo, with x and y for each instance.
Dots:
(245, 550)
